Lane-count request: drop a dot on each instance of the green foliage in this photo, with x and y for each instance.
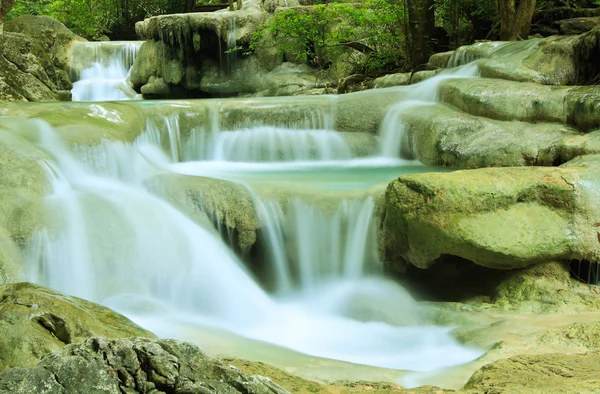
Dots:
(91, 18)
(366, 36)
(467, 20)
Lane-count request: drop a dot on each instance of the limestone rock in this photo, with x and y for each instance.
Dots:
(35, 321)
(502, 218)
(116, 121)
(527, 102)
(439, 135)
(548, 373)
(133, 366)
(227, 204)
(22, 75)
(53, 43)
(549, 288)
(556, 60)
(440, 59)
(576, 26)
(10, 259)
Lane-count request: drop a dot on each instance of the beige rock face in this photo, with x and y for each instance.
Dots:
(498, 218)
(35, 321)
(526, 102)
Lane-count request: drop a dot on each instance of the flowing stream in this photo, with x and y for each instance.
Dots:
(116, 242)
(103, 70)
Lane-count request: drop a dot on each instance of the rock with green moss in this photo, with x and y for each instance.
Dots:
(35, 321)
(34, 59)
(538, 374)
(117, 121)
(228, 204)
(556, 60)
(133, 366)
(522, 101)
(502, 218)
(438, 134)
(546, 288)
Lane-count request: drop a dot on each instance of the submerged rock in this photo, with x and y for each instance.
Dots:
(133, 366)
(35, 321)
(503, 218)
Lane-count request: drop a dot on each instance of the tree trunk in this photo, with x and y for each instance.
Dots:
(515, 21)
(421, 18)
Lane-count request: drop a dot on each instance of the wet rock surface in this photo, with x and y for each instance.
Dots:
(35, 321)
(132, 366)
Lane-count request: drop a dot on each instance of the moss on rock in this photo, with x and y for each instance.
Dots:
(35, 321)
(498, 218)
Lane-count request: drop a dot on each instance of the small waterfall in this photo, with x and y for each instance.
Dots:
(109, 240)
(113, 239)
(321, 246)
(267, 144)
(394, 143)
(104, 68)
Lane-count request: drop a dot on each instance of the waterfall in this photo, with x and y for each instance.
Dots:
(267, 144)
(322, 246)
(394, 143)
(103, 70)
(111, 241)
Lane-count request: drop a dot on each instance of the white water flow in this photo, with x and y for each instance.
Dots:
(114, 242)
(394, 141)
(104, 68)
(311, 247)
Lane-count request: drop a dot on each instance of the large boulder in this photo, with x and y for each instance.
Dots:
(53, 38)
(501, 218)
(576, 26)
(133, 366)
(35, 56)
(556, 60)
(35, 321)
(23, 76)
(526, 102)
(438, 134)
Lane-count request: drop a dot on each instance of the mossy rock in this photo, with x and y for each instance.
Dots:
(136, 365)
(23, 75)
(228, 205)
(503, 218)
(35, 321)
(54, 36)
(537, 374)
(546, 288)
(437, 134)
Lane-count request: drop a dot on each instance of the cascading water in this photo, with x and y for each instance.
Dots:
(116, 243)
(393, 139)
(105, 79)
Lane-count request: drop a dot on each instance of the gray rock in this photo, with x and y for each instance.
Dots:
(133, 366)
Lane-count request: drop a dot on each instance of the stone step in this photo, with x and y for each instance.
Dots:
(438, 134)
(526, 102)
